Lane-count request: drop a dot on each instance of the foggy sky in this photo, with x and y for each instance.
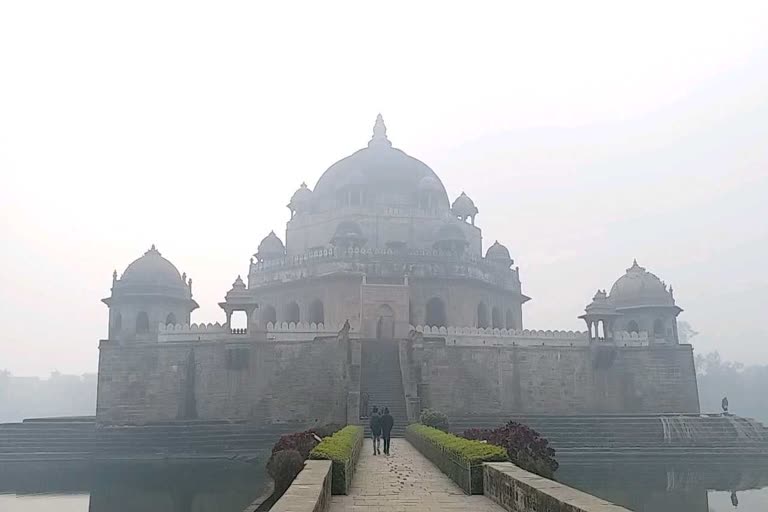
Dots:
(587, 136)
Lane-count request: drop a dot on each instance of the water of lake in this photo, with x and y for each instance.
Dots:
(645, 486)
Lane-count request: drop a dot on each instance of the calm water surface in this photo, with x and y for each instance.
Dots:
(666, 486)
(645, 486)
(130, 487)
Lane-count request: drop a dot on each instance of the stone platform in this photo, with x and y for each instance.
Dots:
(404, 481)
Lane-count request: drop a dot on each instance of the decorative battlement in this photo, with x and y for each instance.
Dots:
(524, 337)
(193, 332)
(331, 253)
(309, 327)
(384, 263)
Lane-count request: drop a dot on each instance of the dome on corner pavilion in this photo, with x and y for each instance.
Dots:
(638, 287)
(379, 167)
(498, 252)
(152, 269)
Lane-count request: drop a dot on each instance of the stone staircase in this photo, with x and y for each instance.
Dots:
(638, 435)
(84, 440)
(381, 380)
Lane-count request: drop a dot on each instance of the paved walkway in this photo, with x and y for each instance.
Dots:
(404, 481)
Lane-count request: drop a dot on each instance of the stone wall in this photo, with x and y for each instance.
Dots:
(259, 381)
(559, 380)
(518, 490)
(310, 491)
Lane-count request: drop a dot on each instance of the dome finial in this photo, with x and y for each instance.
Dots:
(379, 132)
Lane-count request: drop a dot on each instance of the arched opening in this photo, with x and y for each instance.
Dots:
(600, 329)
(658, 328)
(511, 320)
(482, 316)
(170, 319)
(316, 312)
(142, 323)
(267, 315)
(238, 320)
(633, 327)
(435, 313)
(292, 312)
(411, 314)
(385, 325)
(496, 319)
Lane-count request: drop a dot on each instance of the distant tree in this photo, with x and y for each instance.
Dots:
(743, 385)
(685, 332)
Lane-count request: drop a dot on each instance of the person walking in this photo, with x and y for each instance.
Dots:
(375, 424)
(387, 422)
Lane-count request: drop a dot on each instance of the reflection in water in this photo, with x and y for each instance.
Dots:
(664, 486)
(204, 486)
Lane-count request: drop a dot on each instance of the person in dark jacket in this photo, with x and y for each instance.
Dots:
(375, 424)
(387, 422)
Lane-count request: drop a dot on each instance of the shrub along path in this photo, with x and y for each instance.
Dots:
(404, 481)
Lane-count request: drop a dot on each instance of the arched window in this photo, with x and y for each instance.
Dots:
(496, 319)
(385, 325)
(292, 312)
(267, 315)
(511, 320)
(238, 320)
(142, 323)
(316, 312)
(482, 316)
(632, 327)
(170, 319)
(435, 313)
(658, 328)
(600, 329)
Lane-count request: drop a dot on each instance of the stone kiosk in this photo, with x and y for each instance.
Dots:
(432, 321)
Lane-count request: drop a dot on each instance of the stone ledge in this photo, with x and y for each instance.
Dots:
(310, 491)
(518, 490)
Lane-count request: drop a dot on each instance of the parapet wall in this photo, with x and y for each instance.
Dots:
(478, 336)
(263, 382)
(554, 379)
(518, 490)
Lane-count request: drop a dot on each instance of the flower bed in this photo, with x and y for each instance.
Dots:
(343, 449)
(461, 459)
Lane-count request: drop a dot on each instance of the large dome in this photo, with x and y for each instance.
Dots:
(378, 168)
(152, 269)
(638, 287)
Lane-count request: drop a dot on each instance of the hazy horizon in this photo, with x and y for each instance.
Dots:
(190, 128)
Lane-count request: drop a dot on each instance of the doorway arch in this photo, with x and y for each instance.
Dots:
(435, 313)
(385, 323)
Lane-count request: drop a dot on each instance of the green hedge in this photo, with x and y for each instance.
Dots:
(461, 459)
(343, 449)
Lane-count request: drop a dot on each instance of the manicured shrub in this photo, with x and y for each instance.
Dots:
(342, 448)
(283, 466)
(525, 447)
(434, 419)
(461, 459)
(466, 450)
(302, 442)
(326, 430)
